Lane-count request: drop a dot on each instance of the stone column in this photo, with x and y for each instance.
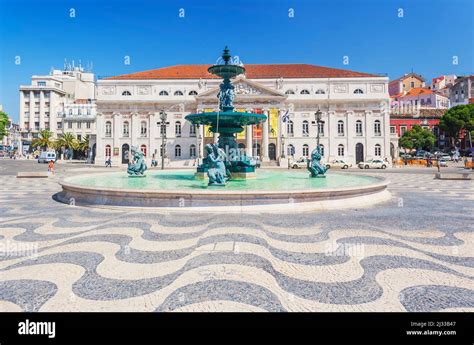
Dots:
(265, 137)
(115, 136)
(280, 148)
(135, 130)
(368, 132)
(248, 140)
(151, 135)
(350, 133)
(99, 139)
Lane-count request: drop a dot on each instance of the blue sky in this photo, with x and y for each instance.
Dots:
(322, 32)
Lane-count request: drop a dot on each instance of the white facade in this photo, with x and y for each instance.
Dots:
(79, 118)
(42, 102)
(419, 98)
(354, 111)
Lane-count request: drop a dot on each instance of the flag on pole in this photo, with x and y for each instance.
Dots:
(285, 117)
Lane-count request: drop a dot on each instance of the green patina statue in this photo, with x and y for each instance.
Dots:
(216, 168)
(314, 165)
(137, 166)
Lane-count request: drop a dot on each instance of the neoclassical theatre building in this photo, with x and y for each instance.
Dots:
(354, 106)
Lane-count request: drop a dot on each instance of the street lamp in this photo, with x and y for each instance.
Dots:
(317, 116)
(198, 135)
(163, 117)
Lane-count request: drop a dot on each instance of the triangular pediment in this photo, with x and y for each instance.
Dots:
(245, 88)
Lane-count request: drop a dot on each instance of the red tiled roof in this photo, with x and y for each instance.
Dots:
(253, 71)
(418, 91)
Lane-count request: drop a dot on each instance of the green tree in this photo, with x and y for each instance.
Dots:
(44, 140)
(456, 119)
(3, 124)
(83, 145)
(417, 138)
(68, 140)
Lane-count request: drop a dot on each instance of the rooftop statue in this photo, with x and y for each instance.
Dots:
(217, 170)
(314, 165)
(137, 165)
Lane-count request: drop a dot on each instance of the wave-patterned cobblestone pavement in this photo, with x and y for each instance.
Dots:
(413, 253)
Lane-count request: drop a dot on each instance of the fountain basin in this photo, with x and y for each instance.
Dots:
(181, 191)
(229, 121)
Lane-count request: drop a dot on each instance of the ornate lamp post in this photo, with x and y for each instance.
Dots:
(198, 135)
(317, 116)
(163, 117)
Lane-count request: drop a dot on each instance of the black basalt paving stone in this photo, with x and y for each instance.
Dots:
(28, 294)
(228, 290)
(436, 298)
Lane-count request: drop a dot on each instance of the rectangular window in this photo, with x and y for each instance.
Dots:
(79, 125)
(392, 130)
(340, 128)
(88, 125)
(69, 124)
(60, 125)
(41, 83)
(403, 129)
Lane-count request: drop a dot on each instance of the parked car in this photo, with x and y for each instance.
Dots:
(373, 164)
(446, 157)
(443, 162)
(338, 163)
(300, 163)
(46, 157)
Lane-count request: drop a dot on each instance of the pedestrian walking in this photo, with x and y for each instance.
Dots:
(51, 166)
(108, 163)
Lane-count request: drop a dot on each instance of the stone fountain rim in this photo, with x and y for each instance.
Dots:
(66, 182)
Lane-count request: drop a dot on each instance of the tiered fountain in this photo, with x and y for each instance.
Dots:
(227, 122)
(276, 190)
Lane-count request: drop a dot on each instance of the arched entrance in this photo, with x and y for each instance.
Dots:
(125, 153)
(359, 153)
(272, 151)
(256, 150)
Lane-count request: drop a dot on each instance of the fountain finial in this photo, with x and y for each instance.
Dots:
(226, 55)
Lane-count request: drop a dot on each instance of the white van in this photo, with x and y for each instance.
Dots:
(46, 157)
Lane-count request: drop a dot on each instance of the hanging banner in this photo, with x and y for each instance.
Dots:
(207, 128)
(241, 135)
(273, 123)
(257, 129)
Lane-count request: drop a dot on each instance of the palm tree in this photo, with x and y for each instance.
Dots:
(68, 141)
(45, 140)
(83, 145)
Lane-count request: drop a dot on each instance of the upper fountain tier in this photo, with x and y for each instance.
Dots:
(227, 70)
